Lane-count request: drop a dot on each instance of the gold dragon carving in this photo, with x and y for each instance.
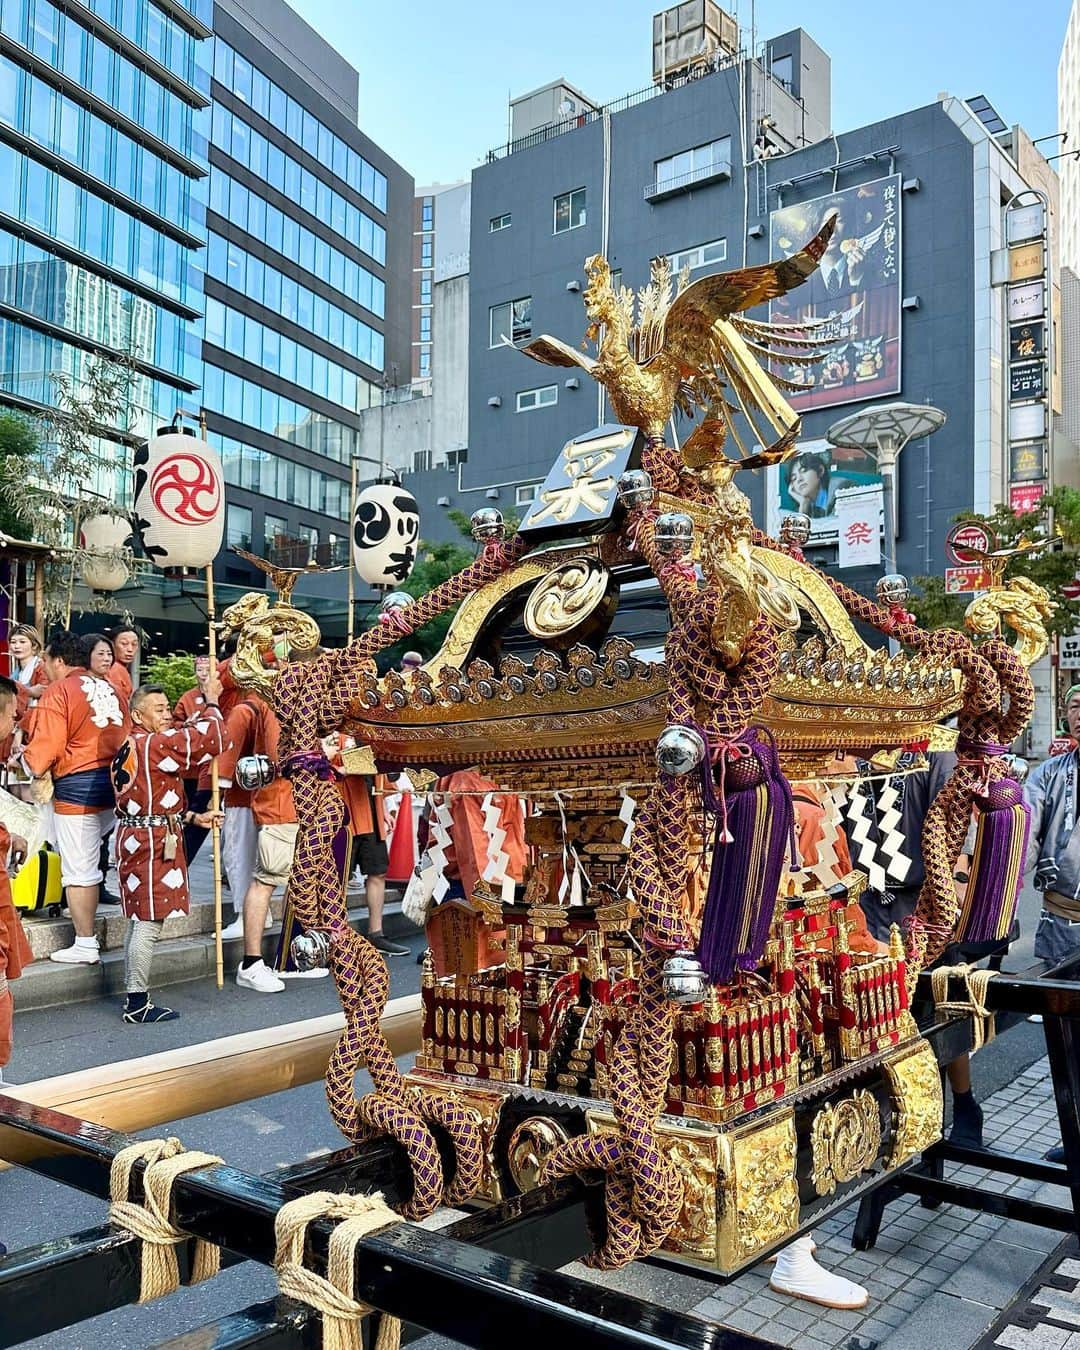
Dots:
(1023, 606)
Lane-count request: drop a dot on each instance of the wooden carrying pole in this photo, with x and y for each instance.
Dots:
(136, 1094)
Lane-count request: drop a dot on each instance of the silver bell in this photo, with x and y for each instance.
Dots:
(396, 600)
(674, 534)
(1018, 767)
(634, 488)
(893, 589)
(684, 979)
(254, 772)
(795, 530)
(487, 523)
(311, 950)
(679, 750)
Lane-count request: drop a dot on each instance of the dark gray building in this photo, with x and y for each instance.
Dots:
(732, 165)
(308, 288)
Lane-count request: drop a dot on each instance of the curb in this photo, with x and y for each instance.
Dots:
(49, 984)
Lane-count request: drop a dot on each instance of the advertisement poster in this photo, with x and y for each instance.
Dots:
(808, 483)
(856, 291)
(1027, 340)
(1026, 380)
(1025, 497)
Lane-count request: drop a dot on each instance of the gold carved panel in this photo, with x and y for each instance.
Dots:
(844, 1139)
(915, 1087)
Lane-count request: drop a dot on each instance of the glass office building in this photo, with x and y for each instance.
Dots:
(104, 179)
(307, 282)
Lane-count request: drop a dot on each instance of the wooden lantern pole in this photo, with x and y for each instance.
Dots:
(215, 783)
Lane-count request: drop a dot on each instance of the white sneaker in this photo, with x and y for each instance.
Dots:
(233, 930)
(316, 974)
(76, 955)
(259, 978)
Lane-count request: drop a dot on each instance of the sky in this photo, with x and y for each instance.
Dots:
(436, 76)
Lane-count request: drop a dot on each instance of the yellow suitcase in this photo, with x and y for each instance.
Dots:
(36, 886)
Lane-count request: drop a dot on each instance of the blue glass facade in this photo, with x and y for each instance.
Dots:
(104, 177)
(306, 279)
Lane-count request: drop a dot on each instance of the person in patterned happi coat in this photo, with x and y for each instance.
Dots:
(151, 811)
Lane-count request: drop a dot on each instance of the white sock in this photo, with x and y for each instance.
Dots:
(798, 1274)
(86, 942)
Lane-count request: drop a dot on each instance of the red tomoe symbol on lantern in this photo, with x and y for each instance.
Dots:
(185, 489)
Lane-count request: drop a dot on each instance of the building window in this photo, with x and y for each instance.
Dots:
(425, 290)
(616, 279)
(690, 166)
(512, 319)
(238, 527)
(545, 397)
(569, 210)
(525, 494)
(427, 214)
(702, 255)
(427, 247)
(275, 533)
(424, 366)
(425, 327)
(782, 70)
(500, 222)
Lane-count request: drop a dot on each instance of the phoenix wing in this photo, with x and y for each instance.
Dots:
(550, 351)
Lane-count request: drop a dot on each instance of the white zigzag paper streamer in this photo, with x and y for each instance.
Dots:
(438, 843)
(497, 858)
(897, 864)
(626, 815)
(858, 812)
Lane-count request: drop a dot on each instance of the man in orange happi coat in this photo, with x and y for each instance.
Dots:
(77, 728)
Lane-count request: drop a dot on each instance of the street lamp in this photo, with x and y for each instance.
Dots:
(883, 431)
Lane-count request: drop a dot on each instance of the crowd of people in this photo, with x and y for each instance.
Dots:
(121, 777)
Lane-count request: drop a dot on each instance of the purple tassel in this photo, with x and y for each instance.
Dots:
(997, 864)
(754, 830)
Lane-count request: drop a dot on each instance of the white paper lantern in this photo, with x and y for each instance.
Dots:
(101, 535)
(179, 500)
(386, 527)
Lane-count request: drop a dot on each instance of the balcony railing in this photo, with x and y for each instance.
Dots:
(718, 171)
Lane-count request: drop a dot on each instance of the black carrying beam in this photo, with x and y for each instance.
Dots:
(471, 1295)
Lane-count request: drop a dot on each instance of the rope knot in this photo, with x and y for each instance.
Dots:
(333, 1296)
(976, 983)
(165, 1159)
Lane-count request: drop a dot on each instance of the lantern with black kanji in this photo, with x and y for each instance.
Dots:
(386, 527)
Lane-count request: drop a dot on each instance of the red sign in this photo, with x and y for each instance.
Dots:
(968, 536)
(1025, 497)
(960, 580)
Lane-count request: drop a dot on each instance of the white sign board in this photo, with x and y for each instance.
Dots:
(1069, 651)
(858, 517)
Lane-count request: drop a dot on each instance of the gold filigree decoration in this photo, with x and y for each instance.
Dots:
(1024, 606)
(261, 628)
(844, 1139)
(530, 1146)
(566, 597)
(915, 1087)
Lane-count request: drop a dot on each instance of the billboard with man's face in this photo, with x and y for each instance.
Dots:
(852, 300)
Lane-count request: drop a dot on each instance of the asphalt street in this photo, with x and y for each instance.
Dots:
(262, 1134)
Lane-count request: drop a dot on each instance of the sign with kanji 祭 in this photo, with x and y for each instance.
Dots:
(967, 539)
(1027, 461)
(961, 580)
(1025, 497)
(858, 520)
(578, 495)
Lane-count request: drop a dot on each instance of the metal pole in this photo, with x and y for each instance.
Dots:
(350, 620)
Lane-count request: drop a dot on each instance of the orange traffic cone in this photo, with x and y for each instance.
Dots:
(403, 842)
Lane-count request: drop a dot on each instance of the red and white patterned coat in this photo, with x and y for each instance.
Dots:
(147, 776)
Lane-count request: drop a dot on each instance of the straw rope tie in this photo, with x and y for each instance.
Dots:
(977, 982)
(333, 1296)
(166, 1159)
